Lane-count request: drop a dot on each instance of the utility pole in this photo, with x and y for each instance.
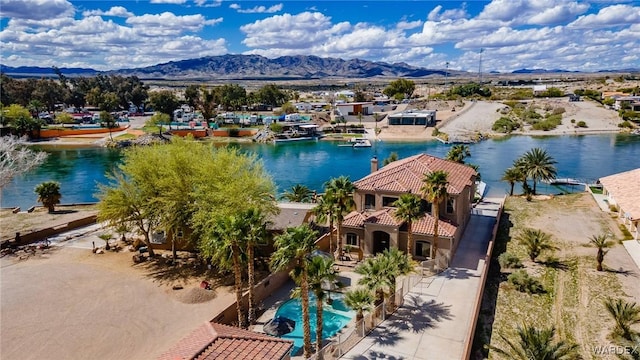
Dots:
(446, 74)
(480, 66)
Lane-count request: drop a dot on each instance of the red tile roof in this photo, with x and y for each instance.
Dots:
(406, 175)
(217, 341)
(424, 226)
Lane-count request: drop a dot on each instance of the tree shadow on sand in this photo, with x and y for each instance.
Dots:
(415, 315)
(621, 271)
(165, 273)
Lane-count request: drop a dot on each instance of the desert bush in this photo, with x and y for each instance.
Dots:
(509, 261)
(626, 124)
(581, 124)
(505, 125)
(523, 282)
(558, 111)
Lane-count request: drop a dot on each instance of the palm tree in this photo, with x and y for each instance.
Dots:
(48, 194)
(295, 245)
(535, 241)
(392, 157)
(375, 277)
(340, 191)
(359, 300)
(625, 314)
(408, 209)
(536, 344)
(223, 244)
(601, 242)
(434, 189)
(458, 153)
(539, 166)
(255, 231)
(298, 193)
(321, 272)
(398, 264)
(324, 212)
(512, 175)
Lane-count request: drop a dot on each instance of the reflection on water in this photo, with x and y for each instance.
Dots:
(585, 158)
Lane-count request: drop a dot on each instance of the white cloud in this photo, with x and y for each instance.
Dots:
(36, 9)
(615, 15)
(168, 23)
(408, 25)
(450, 14)
(176, 2)
(533, 12)
(204, 3)
(117, 11)
(104, 44)
(257, 9)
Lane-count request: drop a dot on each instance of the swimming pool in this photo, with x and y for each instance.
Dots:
(334, 317)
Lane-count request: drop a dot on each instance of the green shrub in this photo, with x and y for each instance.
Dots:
(581, 124)
(573, 121)
(276, 128)
(626, 124)
(521, 280)
(505, 125)
(509, 261)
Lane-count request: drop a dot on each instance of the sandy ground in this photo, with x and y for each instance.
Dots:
(68, 303)
(478, 117)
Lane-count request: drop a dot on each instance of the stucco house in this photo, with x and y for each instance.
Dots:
(623, 192)
(372, 227)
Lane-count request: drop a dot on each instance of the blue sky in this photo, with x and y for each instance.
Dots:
(580, 35)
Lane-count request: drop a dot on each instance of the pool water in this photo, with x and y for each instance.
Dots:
(334, 317)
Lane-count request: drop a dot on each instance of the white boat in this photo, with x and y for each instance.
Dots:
(564, 181)
(357, 143)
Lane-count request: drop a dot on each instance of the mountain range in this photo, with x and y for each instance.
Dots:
(256, 67)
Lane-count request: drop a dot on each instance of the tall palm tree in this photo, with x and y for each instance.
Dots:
(255, 231)
(535, 241)
(340, 191)
(295, 245)
(601, 242)
(375, 277)
(536, 344)
(434, 189)
(458, 153)
(512, 175)
(408, 209)
(521, 165)
(321, 272)
(359, 300)
(625, 314)
(48, 194)
(298, 193)
(324, 212)
(398, 264)
(540, 165)
(223, 244)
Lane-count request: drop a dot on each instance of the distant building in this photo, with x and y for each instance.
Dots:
(355, 108)
(413, 117)
(539, 89)
(628, 103)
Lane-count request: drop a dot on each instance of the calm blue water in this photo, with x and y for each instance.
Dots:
(334, 317)
(313, 163)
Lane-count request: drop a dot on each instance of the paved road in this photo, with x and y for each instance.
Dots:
(435, 320)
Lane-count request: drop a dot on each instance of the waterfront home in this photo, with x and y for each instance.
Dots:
(217, 341)
(623, 194)
(289, 215)
(413, 117)
(373, 228)
(627, 102)
(356, 108)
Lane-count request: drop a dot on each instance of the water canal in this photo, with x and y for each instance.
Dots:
(585, 157)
